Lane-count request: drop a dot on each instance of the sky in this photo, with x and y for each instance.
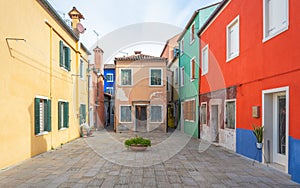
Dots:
(110, 19)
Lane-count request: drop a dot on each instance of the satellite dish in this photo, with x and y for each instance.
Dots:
(80, 28)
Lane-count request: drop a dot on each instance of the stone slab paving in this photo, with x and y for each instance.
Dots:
(174, 160)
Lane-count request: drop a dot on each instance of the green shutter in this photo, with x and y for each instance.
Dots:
(80, 115)
(68, 58)
(36, 116)
(48, 125)
(59, 115)
(61, 51)
(66, 114)
(84, 112)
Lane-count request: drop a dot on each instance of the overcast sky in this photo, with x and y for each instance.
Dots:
(106, 16)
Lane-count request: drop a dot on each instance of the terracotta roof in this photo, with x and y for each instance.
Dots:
(140, 57)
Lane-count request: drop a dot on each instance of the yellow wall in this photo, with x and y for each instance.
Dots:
(32, 72)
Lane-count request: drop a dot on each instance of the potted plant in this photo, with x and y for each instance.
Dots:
(258, 132)
(137, 143)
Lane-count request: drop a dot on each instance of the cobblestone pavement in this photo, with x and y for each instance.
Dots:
(103, 161)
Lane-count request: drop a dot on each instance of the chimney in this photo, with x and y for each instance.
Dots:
(76, 16)
(98, 59)
(137, 52)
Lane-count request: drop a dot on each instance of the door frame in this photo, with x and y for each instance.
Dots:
(275, 128)
(216, 102)
(135, 118)
(265, 94)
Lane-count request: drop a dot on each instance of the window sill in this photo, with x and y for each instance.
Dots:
(191, 42)
(191, 121)
(267, 38)
(156, 85)
(229, 129)
(42, 133)
(62, 129)
(64, 69)
(232, 57)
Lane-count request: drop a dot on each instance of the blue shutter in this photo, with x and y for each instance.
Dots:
(36, 116)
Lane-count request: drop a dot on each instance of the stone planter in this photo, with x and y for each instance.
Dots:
(138, 147)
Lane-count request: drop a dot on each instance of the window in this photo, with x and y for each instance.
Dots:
(63, 115)
(182, 76)
(203, 113)
(81, 71)
(181, 46)
(82, 111)
(168, 83)
(192, 33)
(176, 75)
(156, 77)
(125, 113)
(189, 110)
(233, 39)
(230, 114)
(110, 90)
(42, 115)
(275, 17)
(193, 68)
(109, 77)
(205, 60)
(156, 113)
(126, 77)
(64, 56)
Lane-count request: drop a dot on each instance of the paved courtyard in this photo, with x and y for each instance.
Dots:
(174, 160)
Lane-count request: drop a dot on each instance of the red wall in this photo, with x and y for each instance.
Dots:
(260, 66)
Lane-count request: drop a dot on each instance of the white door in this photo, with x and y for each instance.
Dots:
(214, 120)
(279, 127)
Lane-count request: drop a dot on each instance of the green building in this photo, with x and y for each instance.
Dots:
(189, 71)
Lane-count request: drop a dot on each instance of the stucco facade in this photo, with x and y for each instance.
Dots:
(189, 71)
(254, 62)
(140, 99)
(42, 85)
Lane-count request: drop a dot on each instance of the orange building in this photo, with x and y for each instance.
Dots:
(140, 99)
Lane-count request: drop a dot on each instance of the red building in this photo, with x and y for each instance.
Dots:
(250, 74)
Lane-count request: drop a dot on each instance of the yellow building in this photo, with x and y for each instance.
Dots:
(43, 83)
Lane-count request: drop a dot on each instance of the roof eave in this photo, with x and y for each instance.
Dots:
(47, 6)
(212, 16)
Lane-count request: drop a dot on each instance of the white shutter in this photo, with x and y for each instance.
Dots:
(276, 15)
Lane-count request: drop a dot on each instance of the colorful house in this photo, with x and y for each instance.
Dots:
(109, 87)
(140, 99)
(171, 52)
(43, 80)
(250, 76)
(96, 94)
(188, 68)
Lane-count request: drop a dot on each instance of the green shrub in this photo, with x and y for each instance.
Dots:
(138, 141)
